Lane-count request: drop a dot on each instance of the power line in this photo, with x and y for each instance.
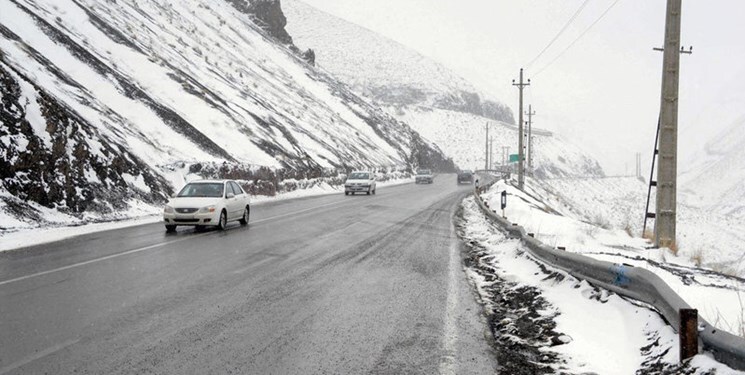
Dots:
(577, 39)
(564, 28)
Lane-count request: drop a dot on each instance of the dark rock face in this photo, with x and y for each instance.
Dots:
(310, 56)
(72, 167)
(463, 101)
(268, 15)
(423, 155)
(497, 111)
(469, 102)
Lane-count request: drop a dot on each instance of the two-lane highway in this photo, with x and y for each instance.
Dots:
(329, 284)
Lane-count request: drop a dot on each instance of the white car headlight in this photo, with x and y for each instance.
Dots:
(168, 209)
(207, 209)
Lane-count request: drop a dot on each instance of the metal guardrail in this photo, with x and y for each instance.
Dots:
(629, 281)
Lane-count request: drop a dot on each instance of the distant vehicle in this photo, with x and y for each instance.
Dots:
(465, 177)
(207, 203)
(424, 176)
(360, 182)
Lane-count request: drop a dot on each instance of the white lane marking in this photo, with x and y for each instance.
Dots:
(112, 256)
(37, 355)
(133, 251)
(450, 337)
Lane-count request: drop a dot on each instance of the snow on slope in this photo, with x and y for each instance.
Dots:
(462, 137)
(715, 177)
(382, 69)
(580, 215)
(171, 82)
(705, 236)
(207, 64)
(414, 89)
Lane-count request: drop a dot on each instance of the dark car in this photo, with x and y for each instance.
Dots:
(424, 176)
(465, 177)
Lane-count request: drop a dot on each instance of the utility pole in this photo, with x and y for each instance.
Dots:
(520, 143)
(530, 114)
(638, 164)
(486, 151)
(667, 168)
(491, 153)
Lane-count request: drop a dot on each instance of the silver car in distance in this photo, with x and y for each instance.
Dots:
(360, 182)
(207, 203)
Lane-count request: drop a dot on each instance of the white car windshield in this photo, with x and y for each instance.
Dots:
(359, 176)
(423, 171)
(202, 190)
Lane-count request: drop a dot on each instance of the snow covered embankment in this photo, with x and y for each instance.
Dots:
(546, 321)
(718, 297)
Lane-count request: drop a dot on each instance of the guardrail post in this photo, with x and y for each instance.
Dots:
(688, 333)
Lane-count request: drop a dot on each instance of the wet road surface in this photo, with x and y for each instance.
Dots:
(330, 284)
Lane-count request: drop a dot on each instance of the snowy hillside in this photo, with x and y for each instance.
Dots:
(382, 69)
(412, 88)
(715, 177)
(101, 100)
(462, 137)
(705, 237)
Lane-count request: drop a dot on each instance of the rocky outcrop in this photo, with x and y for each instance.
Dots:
(268, 15)
(53, 157)
(470, 102)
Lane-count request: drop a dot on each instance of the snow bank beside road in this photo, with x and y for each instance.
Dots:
(719, 298)
(546, 321)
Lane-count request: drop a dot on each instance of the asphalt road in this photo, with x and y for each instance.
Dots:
(322, 285)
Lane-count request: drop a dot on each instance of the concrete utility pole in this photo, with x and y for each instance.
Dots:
(667, 168)
(505, 155)
(520, 143)
(530, 114)
(486, 150)
(491, 153)
(638, 164)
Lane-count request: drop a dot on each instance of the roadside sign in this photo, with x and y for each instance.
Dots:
(514, 158)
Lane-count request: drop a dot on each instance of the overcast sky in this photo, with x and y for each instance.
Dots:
(604, 92)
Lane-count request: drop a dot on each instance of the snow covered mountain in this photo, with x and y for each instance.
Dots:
(443, 107)
(102, 100)
(715, 177)
(382, 69)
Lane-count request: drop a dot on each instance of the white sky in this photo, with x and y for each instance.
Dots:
(605, 91)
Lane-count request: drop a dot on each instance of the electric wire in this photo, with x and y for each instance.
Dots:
(564, 28)
(576, 39)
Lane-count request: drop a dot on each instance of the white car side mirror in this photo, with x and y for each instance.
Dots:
(230, 195)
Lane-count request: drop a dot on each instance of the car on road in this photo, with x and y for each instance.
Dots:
(207, 203)
(360, 182)
(465, 177)
(424, 176)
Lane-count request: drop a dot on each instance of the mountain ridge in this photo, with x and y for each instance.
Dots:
(163, 83)
(353, 49)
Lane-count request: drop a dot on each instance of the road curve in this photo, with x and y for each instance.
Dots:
(330, 284)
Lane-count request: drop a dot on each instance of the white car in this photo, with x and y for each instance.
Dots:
(207, 203)
(360, 182)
